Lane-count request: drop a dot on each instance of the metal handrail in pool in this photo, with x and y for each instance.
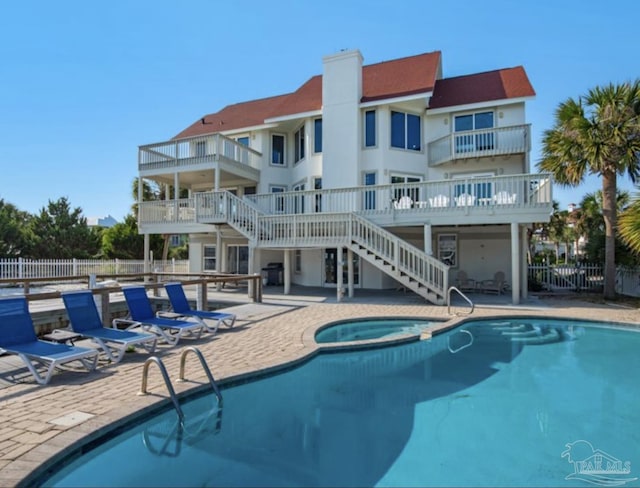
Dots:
(167, 382)
(453, 288)
(196, 351)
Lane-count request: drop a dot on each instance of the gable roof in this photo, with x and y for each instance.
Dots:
(400, 77)
(482, 87)
(389, 79)
(246, 114)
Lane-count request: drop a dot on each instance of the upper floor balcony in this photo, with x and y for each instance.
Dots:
(497, 141)
(198, 155)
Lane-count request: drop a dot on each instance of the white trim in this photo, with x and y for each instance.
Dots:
(301, 115)
(233, 132)
(406, 98)
(486, 105)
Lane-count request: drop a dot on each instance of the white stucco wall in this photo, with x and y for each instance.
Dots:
(341, 93)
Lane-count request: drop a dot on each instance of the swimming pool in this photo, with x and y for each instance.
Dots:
(489, 403)
(367, 329)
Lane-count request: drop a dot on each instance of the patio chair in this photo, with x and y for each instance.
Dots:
(495, 285)
(18, 336)
(142, 315)
(439, 201)
(504, 198)
(85, 320)
(464, 200)
(403, 203)
(464, 283)
(180, 305)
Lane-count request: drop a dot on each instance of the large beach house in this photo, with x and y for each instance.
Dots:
(374, 176)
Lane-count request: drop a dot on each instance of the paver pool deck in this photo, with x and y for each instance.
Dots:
(37, 423)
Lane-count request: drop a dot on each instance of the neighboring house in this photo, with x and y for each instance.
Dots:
(107, 221)
(372, 176)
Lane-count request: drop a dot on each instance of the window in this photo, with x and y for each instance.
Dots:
(201, 149)
(369, 195)
(370, 128)
(209, 258)
(278, 201)
(277, 149)
(243, 155)
(298, 201)
(481, 140)
(398, 193)
(448, 249)
(317, 185)
(317, 135)
(405, 131)
(299, 142)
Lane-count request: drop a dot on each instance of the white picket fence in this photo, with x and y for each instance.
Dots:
(584, 277)
(59, 268)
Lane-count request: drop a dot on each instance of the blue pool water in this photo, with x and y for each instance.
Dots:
(492, 403)
(367, 329)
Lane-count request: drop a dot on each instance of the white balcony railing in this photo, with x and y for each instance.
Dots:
(496, 141)
(500, 193)
(196, 150)
(507, 191)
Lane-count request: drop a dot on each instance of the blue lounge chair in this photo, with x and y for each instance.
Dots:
(180, 305)
(18, 336)
(171, 330)
(85, 320)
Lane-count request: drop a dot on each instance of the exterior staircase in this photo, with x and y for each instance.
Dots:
(408, 265)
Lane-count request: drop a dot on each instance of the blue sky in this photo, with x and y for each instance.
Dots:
(84, 83)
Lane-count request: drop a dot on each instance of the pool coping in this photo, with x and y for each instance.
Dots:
(35, 463)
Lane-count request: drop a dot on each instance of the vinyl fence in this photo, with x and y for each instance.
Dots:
(59, 268)
(585, 277)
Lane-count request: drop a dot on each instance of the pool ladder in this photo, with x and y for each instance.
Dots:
(467, 299)
(167, 380)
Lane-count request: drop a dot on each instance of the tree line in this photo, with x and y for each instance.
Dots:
(59, 231)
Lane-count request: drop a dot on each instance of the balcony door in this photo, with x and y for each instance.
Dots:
(472, 134)
(237, 259)
(331, 268)
(412, 192)
(482, 189)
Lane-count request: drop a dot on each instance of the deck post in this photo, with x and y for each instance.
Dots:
(339, 267)
(515, 263)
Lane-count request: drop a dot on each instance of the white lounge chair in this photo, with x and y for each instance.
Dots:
(85, 320)
(18, 336)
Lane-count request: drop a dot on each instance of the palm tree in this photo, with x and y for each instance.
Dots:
(630, 225)
(597, 134)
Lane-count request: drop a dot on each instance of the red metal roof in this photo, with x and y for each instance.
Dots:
(482, 87)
